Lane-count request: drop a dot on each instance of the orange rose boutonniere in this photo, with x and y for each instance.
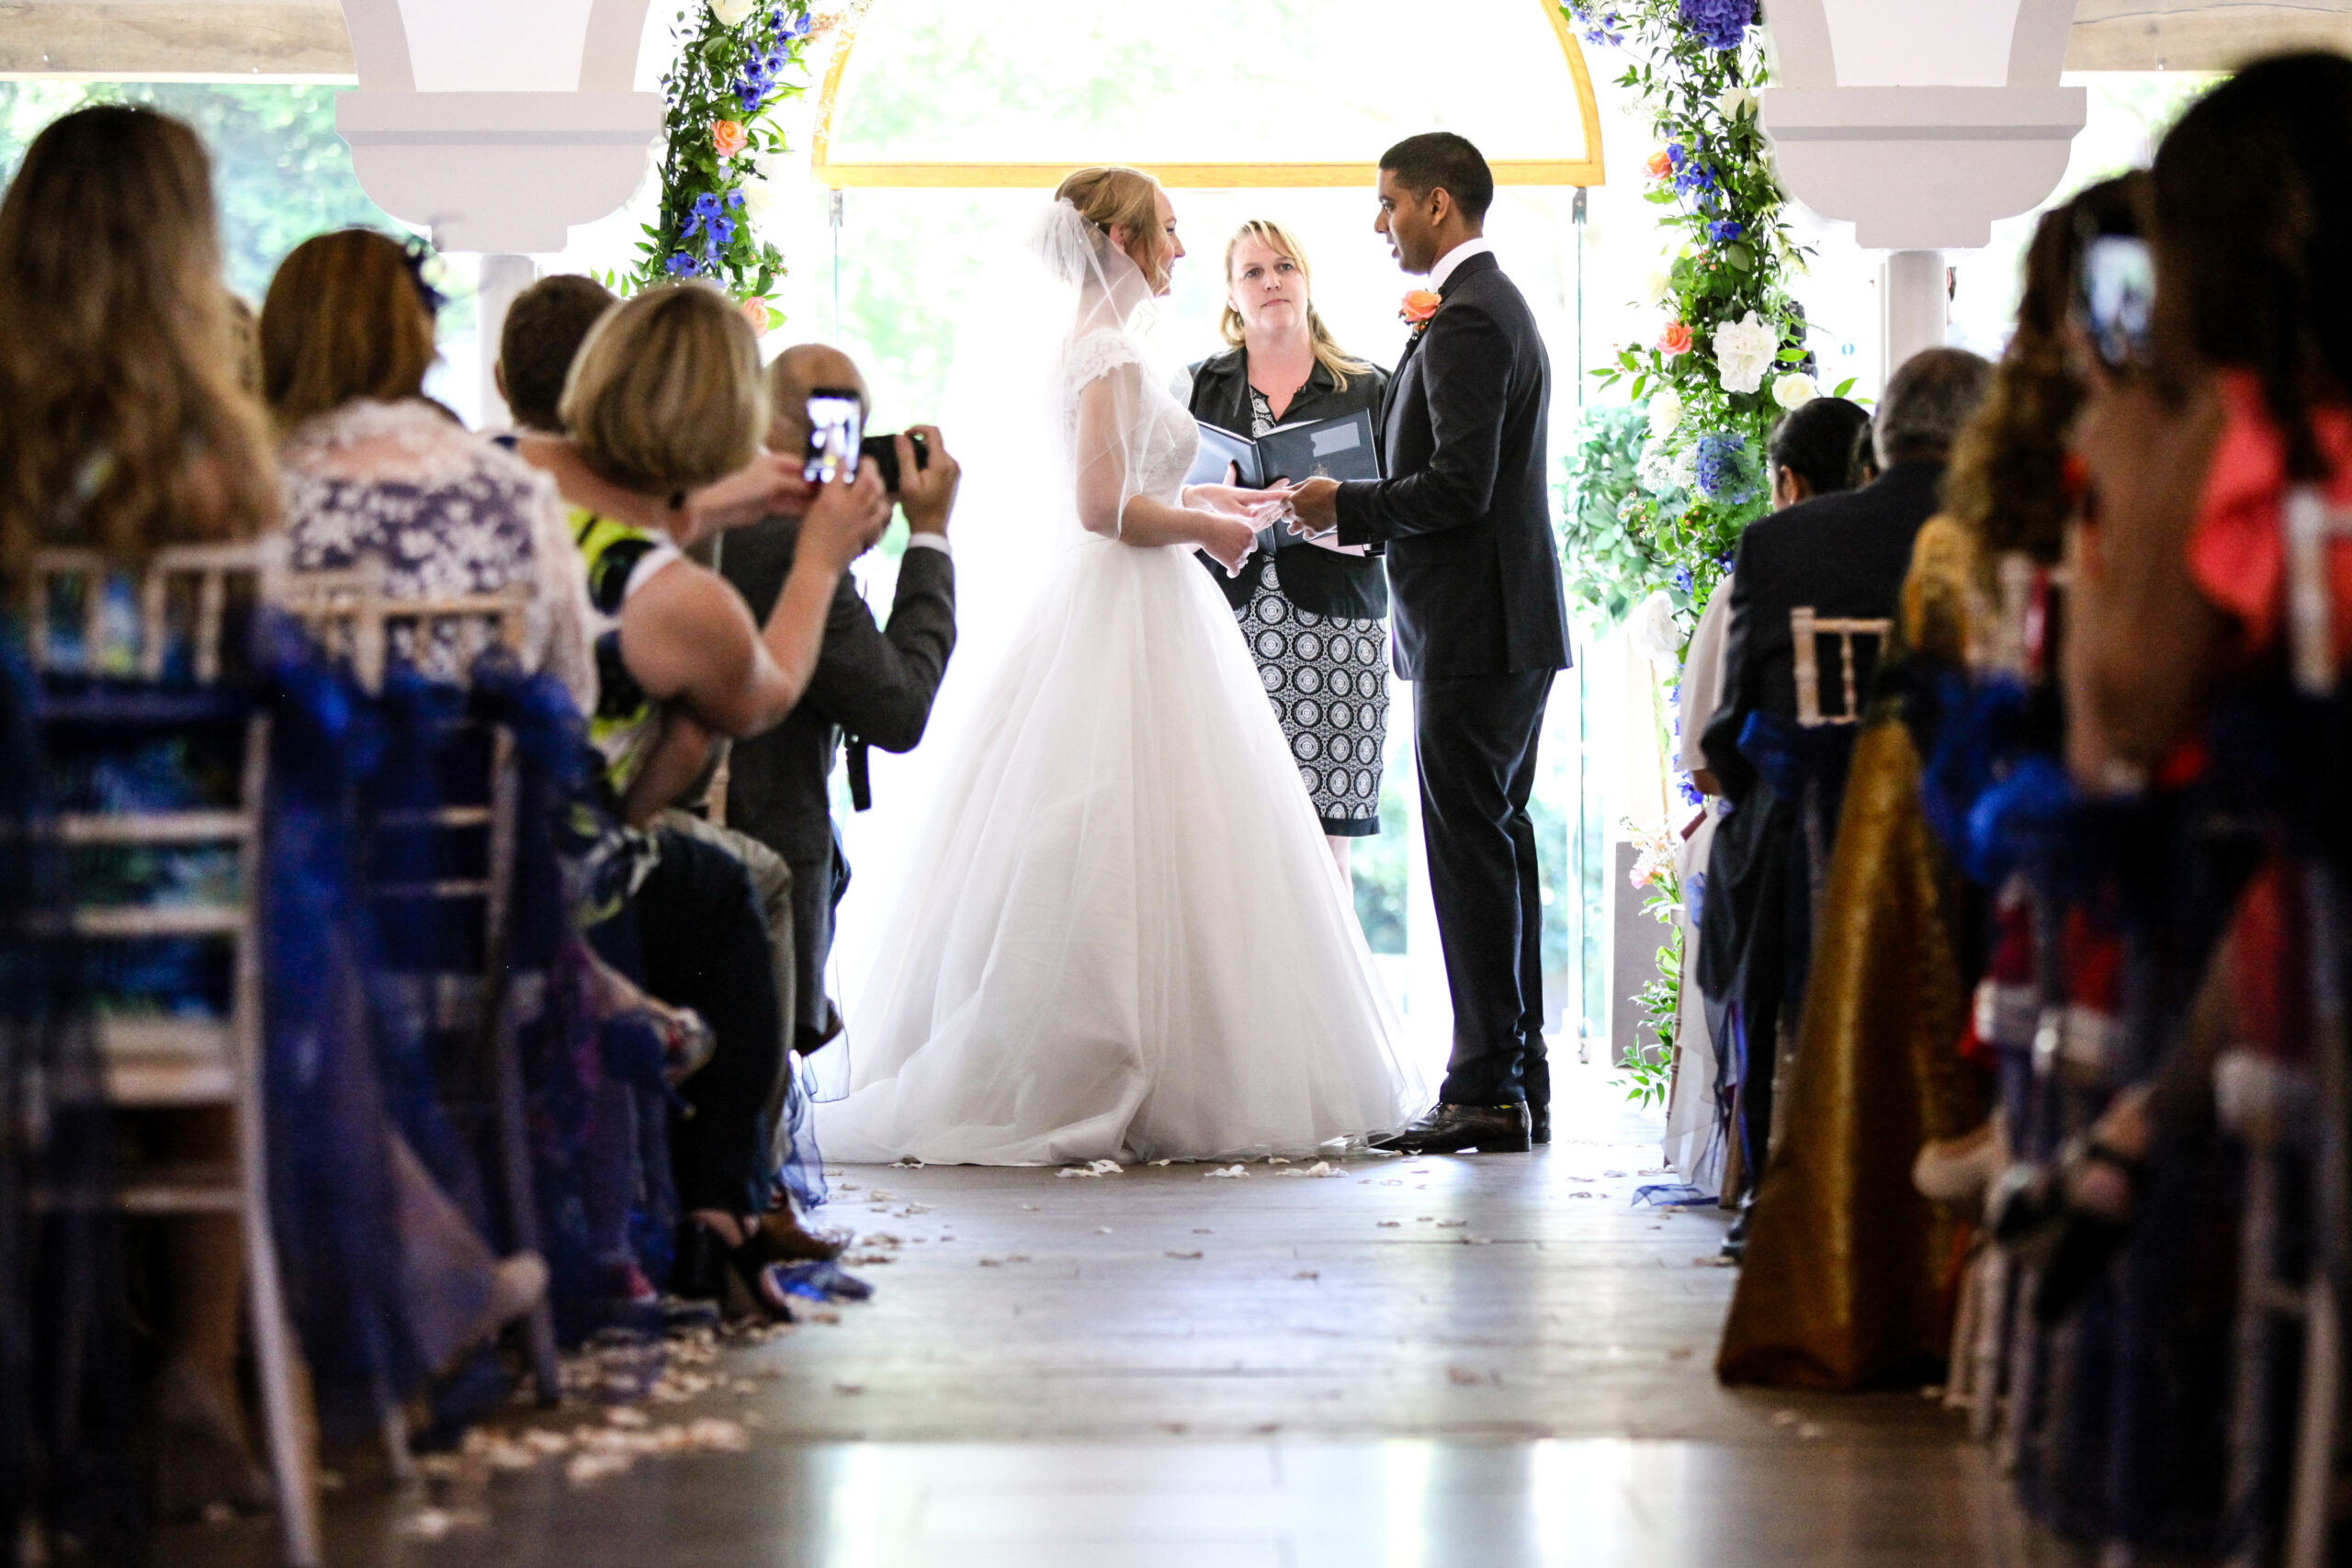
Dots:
(726, 138)
(1677, 339)
(1418, 306)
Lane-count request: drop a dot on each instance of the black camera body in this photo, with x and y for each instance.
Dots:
(882, 451)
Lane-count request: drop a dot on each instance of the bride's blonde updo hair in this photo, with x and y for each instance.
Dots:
(1116, 196)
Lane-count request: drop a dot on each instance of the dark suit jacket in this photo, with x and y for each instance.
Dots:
(874, 682)
(1466, 513)
(1844, 554)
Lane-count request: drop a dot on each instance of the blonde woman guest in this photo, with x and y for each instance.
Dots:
(1315, 613)
(666, 398)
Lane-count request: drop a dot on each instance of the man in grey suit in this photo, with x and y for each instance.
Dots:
(872, 684)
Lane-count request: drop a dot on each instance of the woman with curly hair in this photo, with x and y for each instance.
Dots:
(1846, 1280)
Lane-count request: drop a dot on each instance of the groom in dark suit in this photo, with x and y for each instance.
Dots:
(1481, 626)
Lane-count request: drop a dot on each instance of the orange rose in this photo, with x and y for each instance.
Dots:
(1659, 166)
(1419, 306)
(728, 138)
(1677, 339)
(756, 311)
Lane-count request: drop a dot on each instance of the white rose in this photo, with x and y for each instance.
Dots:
(1651, 631)
(1735, 102)
(1744, 351)
(733, 13)
(1664, 411)
(762, 196)
(1654, 286)
(1794, 389)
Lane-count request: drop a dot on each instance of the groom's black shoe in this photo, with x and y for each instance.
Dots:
(1539, 1122)
(1459, 1129)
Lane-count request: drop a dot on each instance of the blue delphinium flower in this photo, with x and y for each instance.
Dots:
(721, 229)
(1720, 24)
(1723, 230)
(1722, 475)
(1682, 579)
(734, 199)
(799, 24)
(1599, 26)
(682, 265)
(1687, 790)
(706, 205)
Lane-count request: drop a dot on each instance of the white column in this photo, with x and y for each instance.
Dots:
(503, 278)
(1915, 308)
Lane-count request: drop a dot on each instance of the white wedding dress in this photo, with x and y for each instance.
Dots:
(1121, 935)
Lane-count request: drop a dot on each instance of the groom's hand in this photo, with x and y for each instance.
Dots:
(1314, 507)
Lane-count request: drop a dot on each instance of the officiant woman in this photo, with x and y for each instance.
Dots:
(1316, 616)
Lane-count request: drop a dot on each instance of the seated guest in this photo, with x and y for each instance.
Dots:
(1847, 1279)
(666, 397)
(1814, 450)
(374, 471)
(873, 684)
(128, 431)
(1845, 555)
(544, 328)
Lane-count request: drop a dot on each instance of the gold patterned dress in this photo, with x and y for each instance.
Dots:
(1847, 1279)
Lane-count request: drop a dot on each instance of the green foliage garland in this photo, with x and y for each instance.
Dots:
(1731, 355)
(739, 60)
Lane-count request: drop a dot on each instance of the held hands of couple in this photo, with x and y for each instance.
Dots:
(1315, 508)
(1231, 518)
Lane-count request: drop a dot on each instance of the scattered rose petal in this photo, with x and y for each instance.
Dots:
(1185, 1256)
(1227, 1173)
(1452, 1224)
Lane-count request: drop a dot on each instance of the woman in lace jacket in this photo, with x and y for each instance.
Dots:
(374, 470)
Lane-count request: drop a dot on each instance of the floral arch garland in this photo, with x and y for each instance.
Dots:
(1657, 496)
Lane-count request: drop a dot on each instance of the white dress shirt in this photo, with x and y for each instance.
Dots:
(1453, 258)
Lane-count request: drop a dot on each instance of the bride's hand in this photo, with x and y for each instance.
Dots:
(1229, 541)
(1233, 501)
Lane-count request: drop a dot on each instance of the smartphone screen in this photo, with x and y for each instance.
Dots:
(2117, 297)
(835, 427)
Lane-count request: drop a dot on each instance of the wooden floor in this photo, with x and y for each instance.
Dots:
(1439, 1361)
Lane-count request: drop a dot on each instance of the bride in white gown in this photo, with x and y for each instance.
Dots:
(1121, 934)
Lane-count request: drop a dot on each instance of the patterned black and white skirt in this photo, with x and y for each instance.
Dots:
(1328, 678)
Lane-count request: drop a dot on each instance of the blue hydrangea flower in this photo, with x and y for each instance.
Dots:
(1722, 474)
(1723, 230)
(1720, 24)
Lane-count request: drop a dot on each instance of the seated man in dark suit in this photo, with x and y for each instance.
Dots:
(1845, 555)
(872, 684)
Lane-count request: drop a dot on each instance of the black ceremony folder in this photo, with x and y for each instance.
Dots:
(1338, 448)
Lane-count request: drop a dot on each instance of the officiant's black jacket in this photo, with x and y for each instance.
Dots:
(1312, 577)
(1466, 513)
(874, 682)
(1845, 554)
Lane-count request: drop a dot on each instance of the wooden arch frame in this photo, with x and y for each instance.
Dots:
(827, 174)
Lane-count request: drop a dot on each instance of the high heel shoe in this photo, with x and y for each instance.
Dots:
(705, 1261)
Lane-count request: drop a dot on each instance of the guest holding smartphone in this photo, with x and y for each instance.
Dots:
(1315, 614)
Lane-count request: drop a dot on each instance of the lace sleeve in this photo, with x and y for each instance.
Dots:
(1097, 354)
